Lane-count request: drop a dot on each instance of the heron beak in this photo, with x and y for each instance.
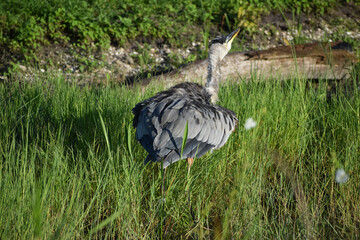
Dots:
(231, 36)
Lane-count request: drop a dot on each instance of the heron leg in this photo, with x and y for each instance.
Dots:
(190, 162)
(163, 188)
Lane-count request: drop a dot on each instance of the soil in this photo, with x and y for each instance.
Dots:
(145, 57)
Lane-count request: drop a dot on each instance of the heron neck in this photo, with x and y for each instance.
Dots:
(213, 78)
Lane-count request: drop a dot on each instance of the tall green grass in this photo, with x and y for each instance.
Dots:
(70, 167)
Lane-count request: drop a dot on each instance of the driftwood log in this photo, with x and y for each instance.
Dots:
(309, 61)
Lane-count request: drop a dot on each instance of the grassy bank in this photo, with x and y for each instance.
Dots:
(27, 25)
(70, 167)
(146, 37)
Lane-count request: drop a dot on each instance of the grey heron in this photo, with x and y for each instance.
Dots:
(160, 120)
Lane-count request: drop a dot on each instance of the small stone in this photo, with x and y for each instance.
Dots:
(129, 59)
(22, 68)
(159, 59)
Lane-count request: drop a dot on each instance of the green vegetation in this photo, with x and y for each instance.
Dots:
(70, 166)
(75, 35)
(26, 25)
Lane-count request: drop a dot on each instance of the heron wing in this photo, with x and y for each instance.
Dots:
(208, 127)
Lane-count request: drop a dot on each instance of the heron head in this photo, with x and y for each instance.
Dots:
(221, 45)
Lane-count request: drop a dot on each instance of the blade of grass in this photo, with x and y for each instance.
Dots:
(184, 139)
